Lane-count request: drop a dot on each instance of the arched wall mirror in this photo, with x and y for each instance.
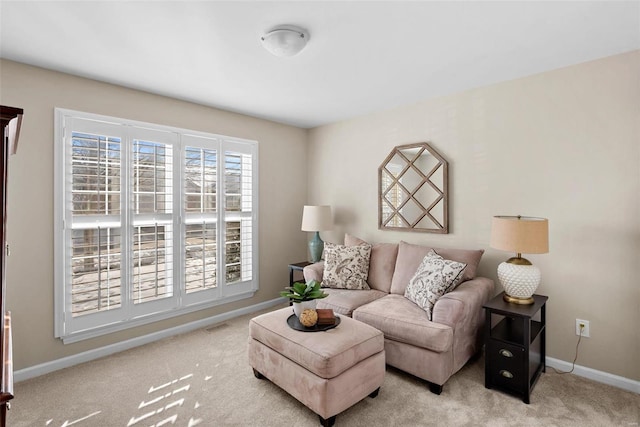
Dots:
(413, 190)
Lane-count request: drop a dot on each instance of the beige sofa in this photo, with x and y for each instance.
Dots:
(430, 349)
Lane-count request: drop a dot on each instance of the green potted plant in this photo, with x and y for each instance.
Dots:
(303, 295)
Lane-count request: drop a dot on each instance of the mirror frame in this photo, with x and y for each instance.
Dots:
(442, 193)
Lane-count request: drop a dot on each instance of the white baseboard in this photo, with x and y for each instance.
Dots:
(65, 362)
(599, 376)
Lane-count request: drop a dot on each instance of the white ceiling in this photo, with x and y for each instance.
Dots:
(362, 56)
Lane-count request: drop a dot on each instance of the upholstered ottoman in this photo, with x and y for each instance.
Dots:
(327, 371)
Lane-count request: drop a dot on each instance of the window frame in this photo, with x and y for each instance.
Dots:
(129, 315)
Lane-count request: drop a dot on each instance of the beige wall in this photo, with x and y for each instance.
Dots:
(282, 154)
(563, 145)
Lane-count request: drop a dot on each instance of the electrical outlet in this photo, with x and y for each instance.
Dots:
(585, 328)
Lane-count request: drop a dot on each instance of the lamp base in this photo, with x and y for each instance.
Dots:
(519, 281)
(516, 300)
(316, 247)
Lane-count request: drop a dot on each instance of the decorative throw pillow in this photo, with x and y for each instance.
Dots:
(435, 277)
(382, 262)
(346, 267)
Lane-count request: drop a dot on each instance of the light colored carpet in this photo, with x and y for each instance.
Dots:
(203, 378)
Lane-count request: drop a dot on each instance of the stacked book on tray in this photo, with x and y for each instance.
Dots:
(325, 317)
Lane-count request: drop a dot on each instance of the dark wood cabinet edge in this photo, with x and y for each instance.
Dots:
(7, 114)
(7, 357)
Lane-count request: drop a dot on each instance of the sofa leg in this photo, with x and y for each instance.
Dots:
(435, 388)
(257, 374)
(374, 393)
(329, 422)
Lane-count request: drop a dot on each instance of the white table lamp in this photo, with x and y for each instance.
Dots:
(519, 234)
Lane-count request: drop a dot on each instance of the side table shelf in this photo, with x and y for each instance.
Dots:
(515, 350)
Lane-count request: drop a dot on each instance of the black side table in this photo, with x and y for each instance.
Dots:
(515, 345)
(298, 266)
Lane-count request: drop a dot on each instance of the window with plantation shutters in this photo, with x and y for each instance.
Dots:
(151, 222)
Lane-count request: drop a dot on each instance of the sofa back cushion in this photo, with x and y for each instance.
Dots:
(471, 257)
(410, 256)
(381, 264)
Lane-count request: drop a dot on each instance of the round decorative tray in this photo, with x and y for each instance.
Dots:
(294, 323)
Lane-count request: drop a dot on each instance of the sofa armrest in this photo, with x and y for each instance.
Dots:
(461, 309)
(464, 304)
(313, 272)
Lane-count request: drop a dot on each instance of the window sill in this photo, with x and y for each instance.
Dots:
(150, 318)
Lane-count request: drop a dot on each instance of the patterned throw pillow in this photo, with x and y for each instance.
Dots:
(346, 267)
(435, 277)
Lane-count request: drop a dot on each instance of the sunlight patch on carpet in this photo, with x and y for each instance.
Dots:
(76, 421)
(172, 396)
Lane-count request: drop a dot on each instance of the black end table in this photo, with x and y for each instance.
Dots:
(298, 266)
(515, 345)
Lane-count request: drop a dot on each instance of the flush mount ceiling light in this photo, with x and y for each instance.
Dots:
(285, 40)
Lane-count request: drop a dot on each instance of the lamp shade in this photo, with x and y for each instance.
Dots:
(520, 234)
(317, 218)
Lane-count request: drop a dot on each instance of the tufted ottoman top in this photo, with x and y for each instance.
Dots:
(326, 354)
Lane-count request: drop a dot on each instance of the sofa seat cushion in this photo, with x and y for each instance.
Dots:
(344, 301)
(401, 320)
